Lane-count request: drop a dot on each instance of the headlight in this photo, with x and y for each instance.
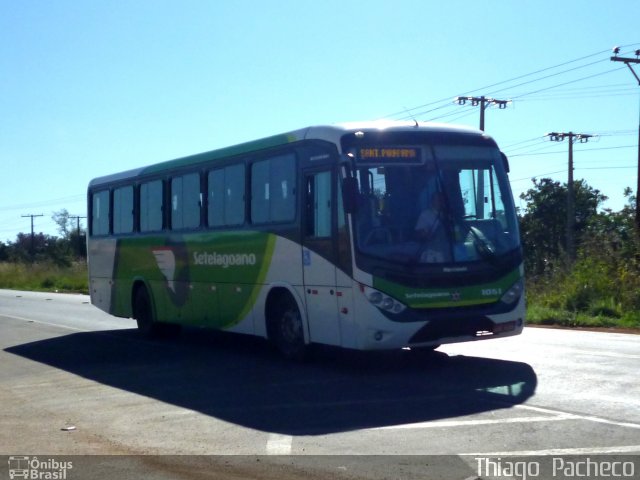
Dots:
(514, 293)
(382, 301)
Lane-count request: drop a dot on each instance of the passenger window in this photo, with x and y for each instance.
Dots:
(185, 201)
(123, 210)
(100, 213)
(273, 195)
(151, 206)
(226, 196)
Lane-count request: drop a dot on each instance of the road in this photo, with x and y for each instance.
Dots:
(75, 381)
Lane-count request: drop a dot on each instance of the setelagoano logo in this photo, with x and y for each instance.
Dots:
(224, 260)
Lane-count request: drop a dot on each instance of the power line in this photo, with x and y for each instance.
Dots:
(565, 83)
(562, 151)
(454, 113)
(548, 76)
(43, 203)
(534, 139)
(555, 96)
(538, 175)
(606, 168)
(535, 176)
(486, 87)
(411, 113)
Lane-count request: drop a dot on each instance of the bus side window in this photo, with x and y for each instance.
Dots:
(123, 210)
(273, 196)
(226, 196)
(185, 201)
(100, 212)
(151, 206)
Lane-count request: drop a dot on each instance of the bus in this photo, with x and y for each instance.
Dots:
(368, 236)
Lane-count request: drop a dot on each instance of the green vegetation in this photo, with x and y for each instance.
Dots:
(601, 286)
(44, 262)
(44, 277)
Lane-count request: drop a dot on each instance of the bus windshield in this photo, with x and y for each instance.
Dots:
(433, 204)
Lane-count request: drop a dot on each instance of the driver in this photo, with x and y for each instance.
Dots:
(430, 230)
(429, 221)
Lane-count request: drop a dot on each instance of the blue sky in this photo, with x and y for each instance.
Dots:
(91, 88)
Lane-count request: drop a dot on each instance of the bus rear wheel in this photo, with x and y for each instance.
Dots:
(286, 330)
(143, 313)
(147, 325)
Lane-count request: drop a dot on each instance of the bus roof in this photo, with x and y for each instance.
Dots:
(331, 133)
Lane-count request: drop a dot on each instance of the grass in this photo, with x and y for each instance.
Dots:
(544, 308)
(44, 277)
(542, 315)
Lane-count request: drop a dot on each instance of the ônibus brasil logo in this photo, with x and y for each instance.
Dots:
(34, 468)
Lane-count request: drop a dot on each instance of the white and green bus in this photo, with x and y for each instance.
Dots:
(364, 236)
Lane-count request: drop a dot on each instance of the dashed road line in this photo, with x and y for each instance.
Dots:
(278, 444)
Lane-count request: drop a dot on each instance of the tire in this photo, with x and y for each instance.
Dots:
(143, 313)
(287, 332)
(147, 325)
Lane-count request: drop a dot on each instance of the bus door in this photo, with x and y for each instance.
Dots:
(319, 256)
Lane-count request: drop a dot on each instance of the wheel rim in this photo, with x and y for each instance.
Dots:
(290, 336)
(291, 327)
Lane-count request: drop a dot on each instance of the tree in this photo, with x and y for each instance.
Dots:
(544, 223)
(63, 220)
(72, 235)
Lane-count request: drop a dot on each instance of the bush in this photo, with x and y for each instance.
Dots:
(44, 277)
(601, 289)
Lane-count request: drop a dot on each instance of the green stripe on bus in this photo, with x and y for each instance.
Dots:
(484, 293)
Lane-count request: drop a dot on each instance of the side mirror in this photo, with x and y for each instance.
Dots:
(350, 194)
(505, 160)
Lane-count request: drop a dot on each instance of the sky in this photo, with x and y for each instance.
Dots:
(96, 87)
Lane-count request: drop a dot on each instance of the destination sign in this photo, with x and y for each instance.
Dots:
(392, 154)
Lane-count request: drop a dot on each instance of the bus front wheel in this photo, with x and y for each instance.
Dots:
(286, 330)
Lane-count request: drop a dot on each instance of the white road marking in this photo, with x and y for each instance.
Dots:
(467, 423)
(31, 320)
(560, 451)
(600, 353)
(575, 416)
(279, 444)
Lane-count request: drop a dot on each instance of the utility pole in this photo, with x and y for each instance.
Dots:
(571, 215)
(628, 62)
(483, 102)
(78, 217)
(32, 252)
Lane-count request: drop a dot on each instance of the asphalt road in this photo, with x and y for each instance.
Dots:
(75, 381)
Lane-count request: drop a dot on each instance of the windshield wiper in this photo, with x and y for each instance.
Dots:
(482, 245)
